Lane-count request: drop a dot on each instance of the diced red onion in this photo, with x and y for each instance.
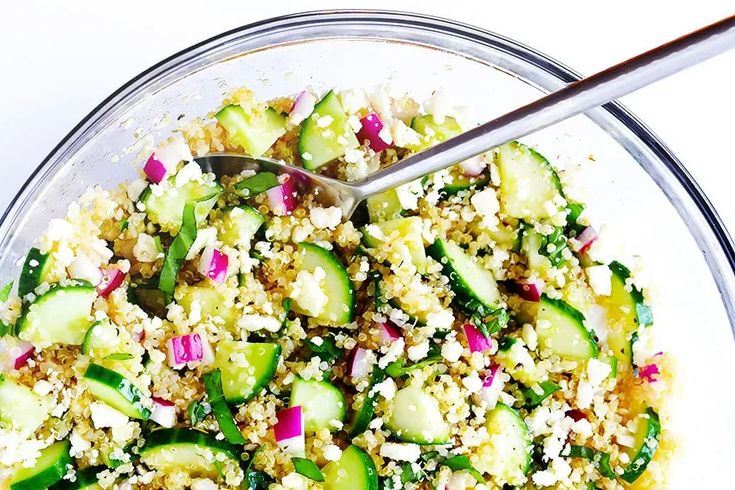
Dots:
(289, 431)
(112, 278)
(282, 198)
(649, 372)
(476, 341)
(490, 375)
(389, 333)
(183, 349)
(14, 353)
(163, 412)
(586, 238)
(302, 107)
(357, 363)
(528, 290)
(370, 131)
(472, 167)
(576, 415)
(491, 388)
(154, 169)
(213, 264)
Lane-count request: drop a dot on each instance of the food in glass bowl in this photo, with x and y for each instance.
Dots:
(184, 331)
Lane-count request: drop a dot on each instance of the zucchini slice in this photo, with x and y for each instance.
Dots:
(167, 209)
(401, 234)
(247, 368)
(117, 391)
(50, 467)
(510, 447)
(560, 328)
(59, 316)
(646, 438)
(254, 132)
(21, 408)
(322, 404)
(415, 417)
(319, 142)
(35, 271)
(239, 226)
(86, 479)
(355, 470)
(186, 449)
(527, 182)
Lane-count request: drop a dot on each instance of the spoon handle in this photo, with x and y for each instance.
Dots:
(569, 101)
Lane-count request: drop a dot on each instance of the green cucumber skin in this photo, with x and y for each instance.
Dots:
(46, 477)
(327, 256)
(263, 382)
(31, 276)
(370, 477)
(565, 309)
(362, 417)
(310, 386)
(324, 149)
(86, 479)
(645, 454)
(168, 437)
(623, 273)
(119, 383)
(227, 425)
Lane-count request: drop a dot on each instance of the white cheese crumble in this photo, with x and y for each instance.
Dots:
(386, 388)
(326, 218)
(105, 416)
(418, 351)
(451, 349)
(487, 206)
(145, 248)
(409, 194)
(253, 323)
(332, 452)
(203, 484)
(135, 188)
(206, 237)
(597, 371)
(393, 352)
(83, 268)
(172, 152)
(308, 293)
(400, 451)
(600, 279)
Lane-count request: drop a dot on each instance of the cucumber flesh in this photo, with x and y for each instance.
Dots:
(59, 316)
(431, 132)
(319, 145)
(415, 417)
(560, 329)
(35, 271)
(254, 132)
(239, 226)
(384, 206)
(50, 467)
(211, 301)
(527, 182)
(362, 417)
(21, 408)
(116, 391)
(401, 234)
(468, 279)
(355, 470)
(340, 305)
(100, 336)
(322, 404)
(461, 182)
(646, 438)
(190, 450)
(510, 446)
(247, 368)
(86, 479)
(167, 209)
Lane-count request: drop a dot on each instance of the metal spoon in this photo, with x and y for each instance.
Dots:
(571, 100)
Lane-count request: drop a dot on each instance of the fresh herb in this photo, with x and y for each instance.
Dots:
(157, 241)
(256, 480)
(307, 468)
(574, 210)
(286, 310)
(534, 399)
(375, 277)
(119, 356)
(252, 186)
(327, 350)
(396, 369)
(178, 250)
(599, 458)
(213, 385)
(408, 475)
(4, 293)
(506, 343)
(553, 246)
(197, 410)
(518, 242)
(462, 463)
(123, 224)
(488, 321)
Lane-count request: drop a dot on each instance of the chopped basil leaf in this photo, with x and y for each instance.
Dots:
(5, 291)
(506, 343)
(599, 458)
(286, 310)
(119, 356)
(227, 425)
(256, 480)
(177, 251)
(124, 224)
(534, 399)
(307, 468)
(396, 369)
(553, 246)
(327, 350)
(256, 184)
(487, 321)
(462, 463)
(574, 210)
(197, 411)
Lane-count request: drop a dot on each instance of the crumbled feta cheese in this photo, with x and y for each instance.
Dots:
(585, 394)
(145, 248)
(206, 237)
(400, 451)
(172, 152)
(294, 481)
(600, 279)
(105, 416)
(418, 351)
(597, 371)
(78, 444)
(582, 427)
(487, 206)
(409, 194)
(308, 293)
(43, 387)
(439, 105)
(393, 352)
(451, 350)
(402, 135)
(83, 268)
(188, 173)
(386, 388)
(135, 188)
(203, 484)
(440, 319)
(253, 323)
(529, 336)
(332, 452)
(353, 100)
(472, 382)
(327, 218)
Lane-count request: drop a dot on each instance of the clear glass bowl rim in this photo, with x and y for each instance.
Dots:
(720, 256)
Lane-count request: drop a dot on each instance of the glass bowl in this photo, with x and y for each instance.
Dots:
(654, 212)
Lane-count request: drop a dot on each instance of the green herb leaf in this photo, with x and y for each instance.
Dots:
(178, 250)
(307, 468)
(599, 458)
(286, 310)
(197, 410)
(506, 343)
(375, 277)
(213, 385)
(397, 368)
(574, 210)
(5, 291)
(252, 186)
(534, 399)
(462, 463)
(119, 356)
(327, 351)
(553, 246)
(256, 480)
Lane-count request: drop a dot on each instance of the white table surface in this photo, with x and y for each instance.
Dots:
(59, 59)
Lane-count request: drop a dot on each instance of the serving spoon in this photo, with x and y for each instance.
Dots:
(569, 101)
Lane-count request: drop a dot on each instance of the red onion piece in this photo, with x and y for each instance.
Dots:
(282, 198)
(528, 291)
(586, 238)
(370, 131)
(163, 412)
(154, 169)
(649, 372)
(289, 431)
(14, 353)
(490, 375)
(213, 264)
(389, 333)
(112, 278)
(357, 363)
(472, 167)
(184, 349)
(302, 107)
(576, 415)
(476, 341)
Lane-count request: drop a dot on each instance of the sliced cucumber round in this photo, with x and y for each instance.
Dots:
(527, 182)
(431, 132)
(254, 132)
(190, 450)
(319, 143)
(560, 329)
(21, 408)
(510, 446)
(461, 182)
(210, 300)
(355, 470)
(384, 206)
(239, 225)
(99, 337)
(35, 271)
(415, 416)
(364, 415)
(167, 208)
(247, 368)
(340, 306)
(400, 232)
(59, 316)
(86, 479)
(322, 404)
(50, 467)
(468, 279)
(646, 439)
(117, 391)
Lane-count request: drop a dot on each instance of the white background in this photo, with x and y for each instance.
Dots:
(60, 59)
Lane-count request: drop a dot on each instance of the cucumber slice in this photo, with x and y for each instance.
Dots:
(211, 303)
(100, 336)
(319, 145)
(461, 182)
(646, 438)
(340, 306)
(415, 416)
(59, 316)
(86, 479)
(430, 132)
(468, 279)
(50, 467)
(227, 424)
(510, 446)
(527, 182)
(384, 206)
(560, 328)
(626, 311)
(321, 404)
(167, 209)
(247, 368)
(193, 451)
(355, 470)
(254, 132)
(362, 417)
(35, 271)
(117, 391)
(20, 408)
(400, 233)
(239, 226)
